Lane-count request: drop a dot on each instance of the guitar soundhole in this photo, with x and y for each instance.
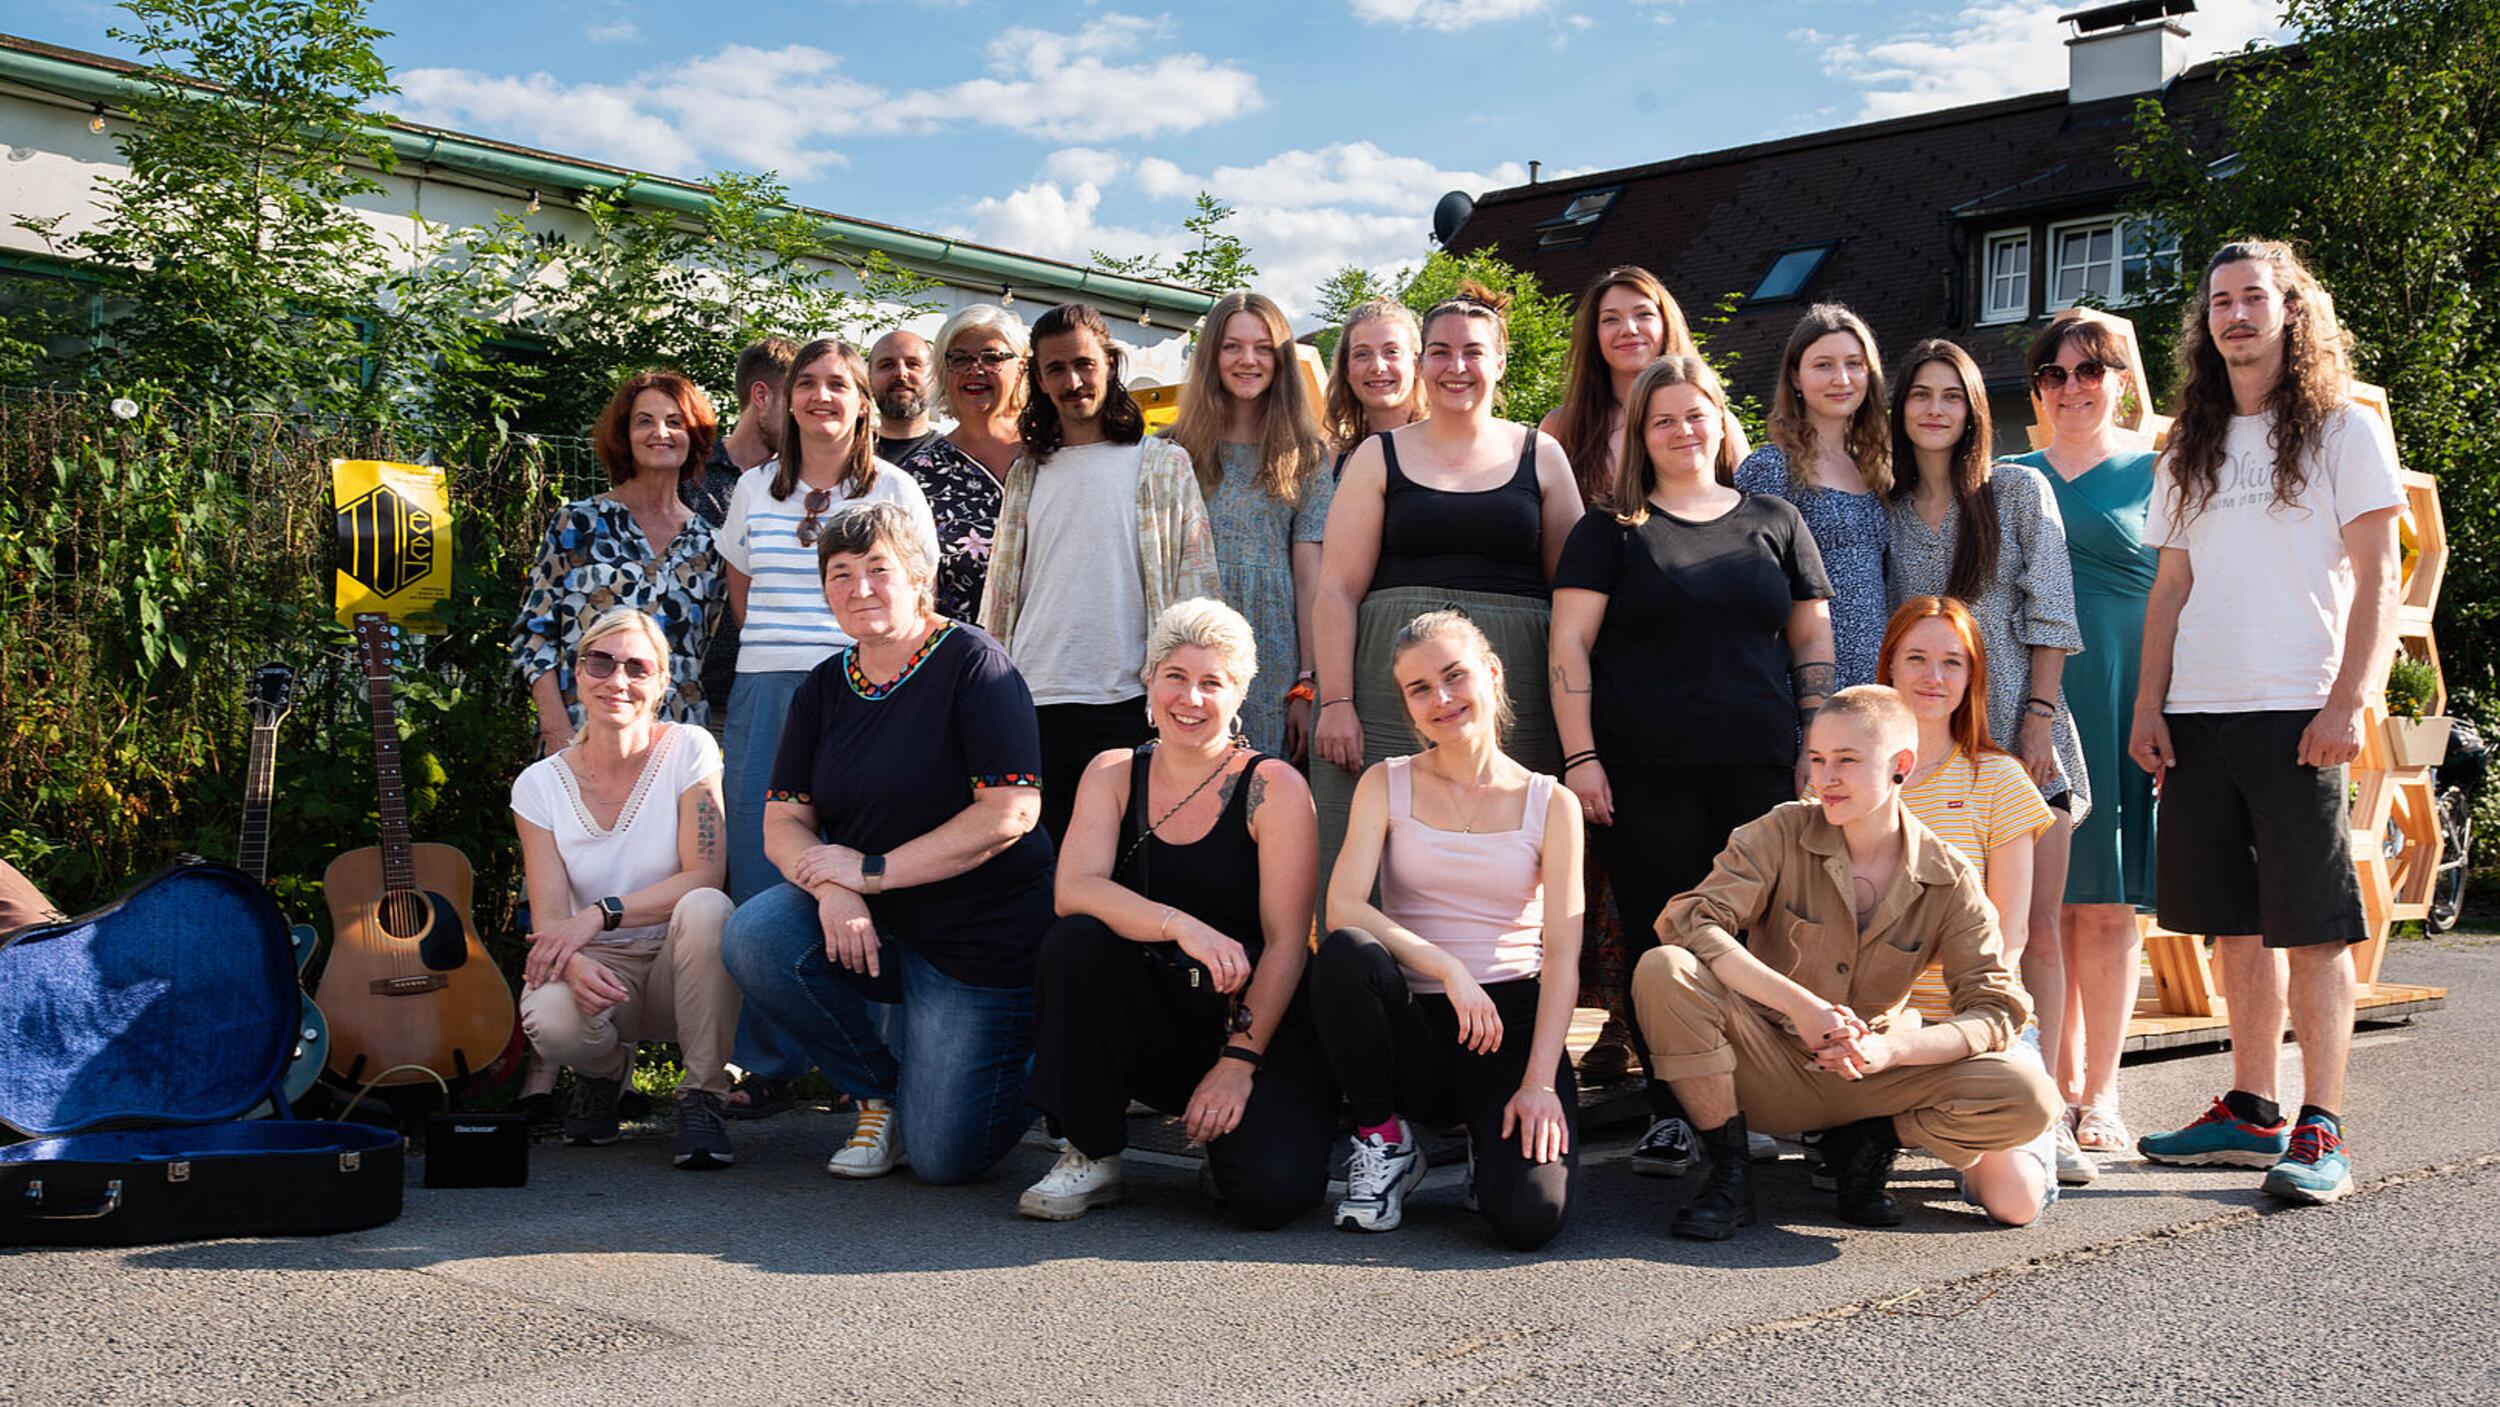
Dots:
(404, 913)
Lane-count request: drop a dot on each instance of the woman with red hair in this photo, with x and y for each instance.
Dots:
(636, 546)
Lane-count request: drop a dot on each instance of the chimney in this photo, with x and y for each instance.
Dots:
(2125, 49)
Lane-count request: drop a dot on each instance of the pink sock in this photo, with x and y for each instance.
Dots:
(1393, 1131)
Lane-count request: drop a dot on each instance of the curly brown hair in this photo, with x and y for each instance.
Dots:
(2316, 379)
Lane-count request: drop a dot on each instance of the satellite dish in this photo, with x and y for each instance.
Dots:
(1450, 214)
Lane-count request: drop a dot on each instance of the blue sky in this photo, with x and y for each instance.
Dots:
(1332, 125)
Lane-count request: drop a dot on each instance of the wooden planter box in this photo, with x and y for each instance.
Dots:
(2418, 742)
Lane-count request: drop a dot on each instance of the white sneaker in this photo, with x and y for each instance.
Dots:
(2075, 1168)
(876, 1146)
(1074, 1185)
(1377, 1179)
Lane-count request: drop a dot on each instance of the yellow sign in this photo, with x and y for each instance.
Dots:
(394, 538)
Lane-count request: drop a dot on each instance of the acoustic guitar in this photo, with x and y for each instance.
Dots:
(270, 693)
(408, 983)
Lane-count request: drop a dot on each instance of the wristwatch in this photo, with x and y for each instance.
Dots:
(871, 874)
(611, 913)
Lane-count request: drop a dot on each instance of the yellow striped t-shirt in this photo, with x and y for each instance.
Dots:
(1974, 810)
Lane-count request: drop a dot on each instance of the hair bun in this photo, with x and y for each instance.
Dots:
(1471, 291)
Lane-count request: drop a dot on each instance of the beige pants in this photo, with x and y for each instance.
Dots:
(1696, 1027)
(680, 992)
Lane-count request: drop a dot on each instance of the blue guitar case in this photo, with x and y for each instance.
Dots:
(133, 1040)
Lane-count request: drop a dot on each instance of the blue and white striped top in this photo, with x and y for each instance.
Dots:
(788, 626)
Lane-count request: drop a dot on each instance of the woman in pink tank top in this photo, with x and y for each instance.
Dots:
(1448, 1000)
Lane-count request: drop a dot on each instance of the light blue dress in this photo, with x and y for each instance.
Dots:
(1852, 532)
(1254, 536)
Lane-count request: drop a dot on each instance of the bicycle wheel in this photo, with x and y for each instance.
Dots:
(2456, 849)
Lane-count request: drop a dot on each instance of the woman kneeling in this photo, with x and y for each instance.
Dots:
(1432, 1003)
(1173, 975)
(621, 834)
(902, 810)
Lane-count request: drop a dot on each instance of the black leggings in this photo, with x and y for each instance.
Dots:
(1396, 1051)
(1113, 1022)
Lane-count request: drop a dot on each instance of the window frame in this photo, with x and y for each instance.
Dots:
(1568, 231)
(1822, 249)
(1991, 312)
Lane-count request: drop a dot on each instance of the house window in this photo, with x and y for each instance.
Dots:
(2005, 277)
(2111, 260)
(1571, 228)
(1790, 270)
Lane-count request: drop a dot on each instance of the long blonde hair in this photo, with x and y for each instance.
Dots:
(1290, 448)
(1342, 417)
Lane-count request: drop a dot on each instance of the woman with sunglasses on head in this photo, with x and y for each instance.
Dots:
(1461, 508)
(980, 369)
(1247, 424)
(637, 546)
(1174, 973)
(1372, 386)
(1989, 535)
(2102, 477)
(776, 514)
(1448, 1000)
(1831, 455)
(621, 848)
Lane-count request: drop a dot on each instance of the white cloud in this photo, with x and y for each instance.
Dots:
(1997, 49)
(1343, 173)
(1445, 15)
(1075, 164)
(613, 32)
(1074, 87)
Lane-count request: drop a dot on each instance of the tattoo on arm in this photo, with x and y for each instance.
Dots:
(1563, 684)
(706, 828)
(1258, 793)
(1813, 680)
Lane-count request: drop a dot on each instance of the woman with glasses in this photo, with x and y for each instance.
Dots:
(2102, 477)
(776, 514)
(633, 546)
(1174, 974)
(1989, 535)
(621, 848)
(980, 368)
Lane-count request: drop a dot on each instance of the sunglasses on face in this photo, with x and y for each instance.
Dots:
(818, 500)
(2054, 377)
(599, 664)
(992, 359)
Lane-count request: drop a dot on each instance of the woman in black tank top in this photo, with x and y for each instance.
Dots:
(1187, 881)
(1459, 509)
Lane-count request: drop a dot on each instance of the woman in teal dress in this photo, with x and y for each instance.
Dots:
(2102, 476)
(1247, 422)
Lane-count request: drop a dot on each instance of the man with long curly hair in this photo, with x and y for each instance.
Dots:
(2271, 616)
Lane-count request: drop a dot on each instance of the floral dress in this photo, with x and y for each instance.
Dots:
(1851, 531)
(963, 499)
(1255, 533)
(596, 560)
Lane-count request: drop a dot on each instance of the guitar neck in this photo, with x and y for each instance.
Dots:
(259, 783)
(399, 870)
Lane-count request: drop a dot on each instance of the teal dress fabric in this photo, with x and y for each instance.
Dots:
(1254, 536)
(2104, 509)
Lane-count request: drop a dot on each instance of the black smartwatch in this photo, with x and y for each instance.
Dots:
(611, 913)
(871, 874)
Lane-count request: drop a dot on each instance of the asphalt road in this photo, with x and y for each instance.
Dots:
(616, 1279)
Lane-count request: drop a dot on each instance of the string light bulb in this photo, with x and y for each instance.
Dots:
(95, 124)
(1141, 317)
(533, 205)
(1007, 295)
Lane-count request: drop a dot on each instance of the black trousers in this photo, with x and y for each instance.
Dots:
(1397, 1052)
(1071, 735)
(1670, 825)
(1114, 1022)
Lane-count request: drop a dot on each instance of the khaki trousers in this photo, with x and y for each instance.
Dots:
(1696, 1027)
(680, 992)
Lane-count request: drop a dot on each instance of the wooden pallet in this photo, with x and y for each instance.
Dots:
(2156, 1029)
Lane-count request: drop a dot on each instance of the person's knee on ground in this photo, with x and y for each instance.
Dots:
(1264, 1202)
(1523, 1223)
(2009, 1185)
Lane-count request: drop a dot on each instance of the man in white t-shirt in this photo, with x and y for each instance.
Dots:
(1100, 527)
(2271, 617)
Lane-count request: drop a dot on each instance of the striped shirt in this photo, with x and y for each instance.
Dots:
(1974, 813)
(787, 625)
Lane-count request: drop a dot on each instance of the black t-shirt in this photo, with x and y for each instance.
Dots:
(1691, 663)
(886, 770)
(895, 449)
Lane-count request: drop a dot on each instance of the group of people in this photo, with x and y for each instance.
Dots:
(1303, 767)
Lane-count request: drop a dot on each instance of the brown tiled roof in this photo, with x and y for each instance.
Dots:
(1906, 199)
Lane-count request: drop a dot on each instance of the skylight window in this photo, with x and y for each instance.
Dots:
(1791, 270)
(1578, 218)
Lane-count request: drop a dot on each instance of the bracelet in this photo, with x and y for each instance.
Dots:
(1245, 1055)
(1306, 676)
(1163, 930)
(1575, 759)
(1541, 1089)
(1302, 690)
(1341, 698)
(2039, 708)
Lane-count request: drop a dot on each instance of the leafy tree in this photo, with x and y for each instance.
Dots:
(1220, 262)
(1540, 324)
(2375, 146)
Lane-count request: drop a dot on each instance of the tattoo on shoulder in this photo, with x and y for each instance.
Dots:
(1224, 789)
(706, 827)
(1258, 793)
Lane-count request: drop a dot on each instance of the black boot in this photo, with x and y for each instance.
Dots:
(1724, 1201)
(1860, 1159)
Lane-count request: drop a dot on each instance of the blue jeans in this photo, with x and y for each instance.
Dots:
(758, 708)
(952, 1058)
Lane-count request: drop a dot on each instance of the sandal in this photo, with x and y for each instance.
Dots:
(758, 1097)
(2098, 1129)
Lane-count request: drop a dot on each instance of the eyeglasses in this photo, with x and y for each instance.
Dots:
(599, 664)
(990, 360)
(1236, 1015)
(818, 500)
(2054, 377)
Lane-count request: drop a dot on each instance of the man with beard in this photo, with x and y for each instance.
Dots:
(898, 377)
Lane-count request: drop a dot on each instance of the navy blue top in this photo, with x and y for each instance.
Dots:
(1852, 530)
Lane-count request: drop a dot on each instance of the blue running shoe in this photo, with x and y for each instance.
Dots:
(2219, 1137)
(2314, 1170)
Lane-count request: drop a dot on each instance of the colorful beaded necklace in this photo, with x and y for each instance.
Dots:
(867, 690)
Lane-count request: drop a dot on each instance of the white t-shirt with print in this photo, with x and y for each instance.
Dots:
(2263, 628)
(787, 625)
(640, 850)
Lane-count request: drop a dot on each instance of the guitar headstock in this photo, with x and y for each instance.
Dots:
(377, 645)
(269, 692)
